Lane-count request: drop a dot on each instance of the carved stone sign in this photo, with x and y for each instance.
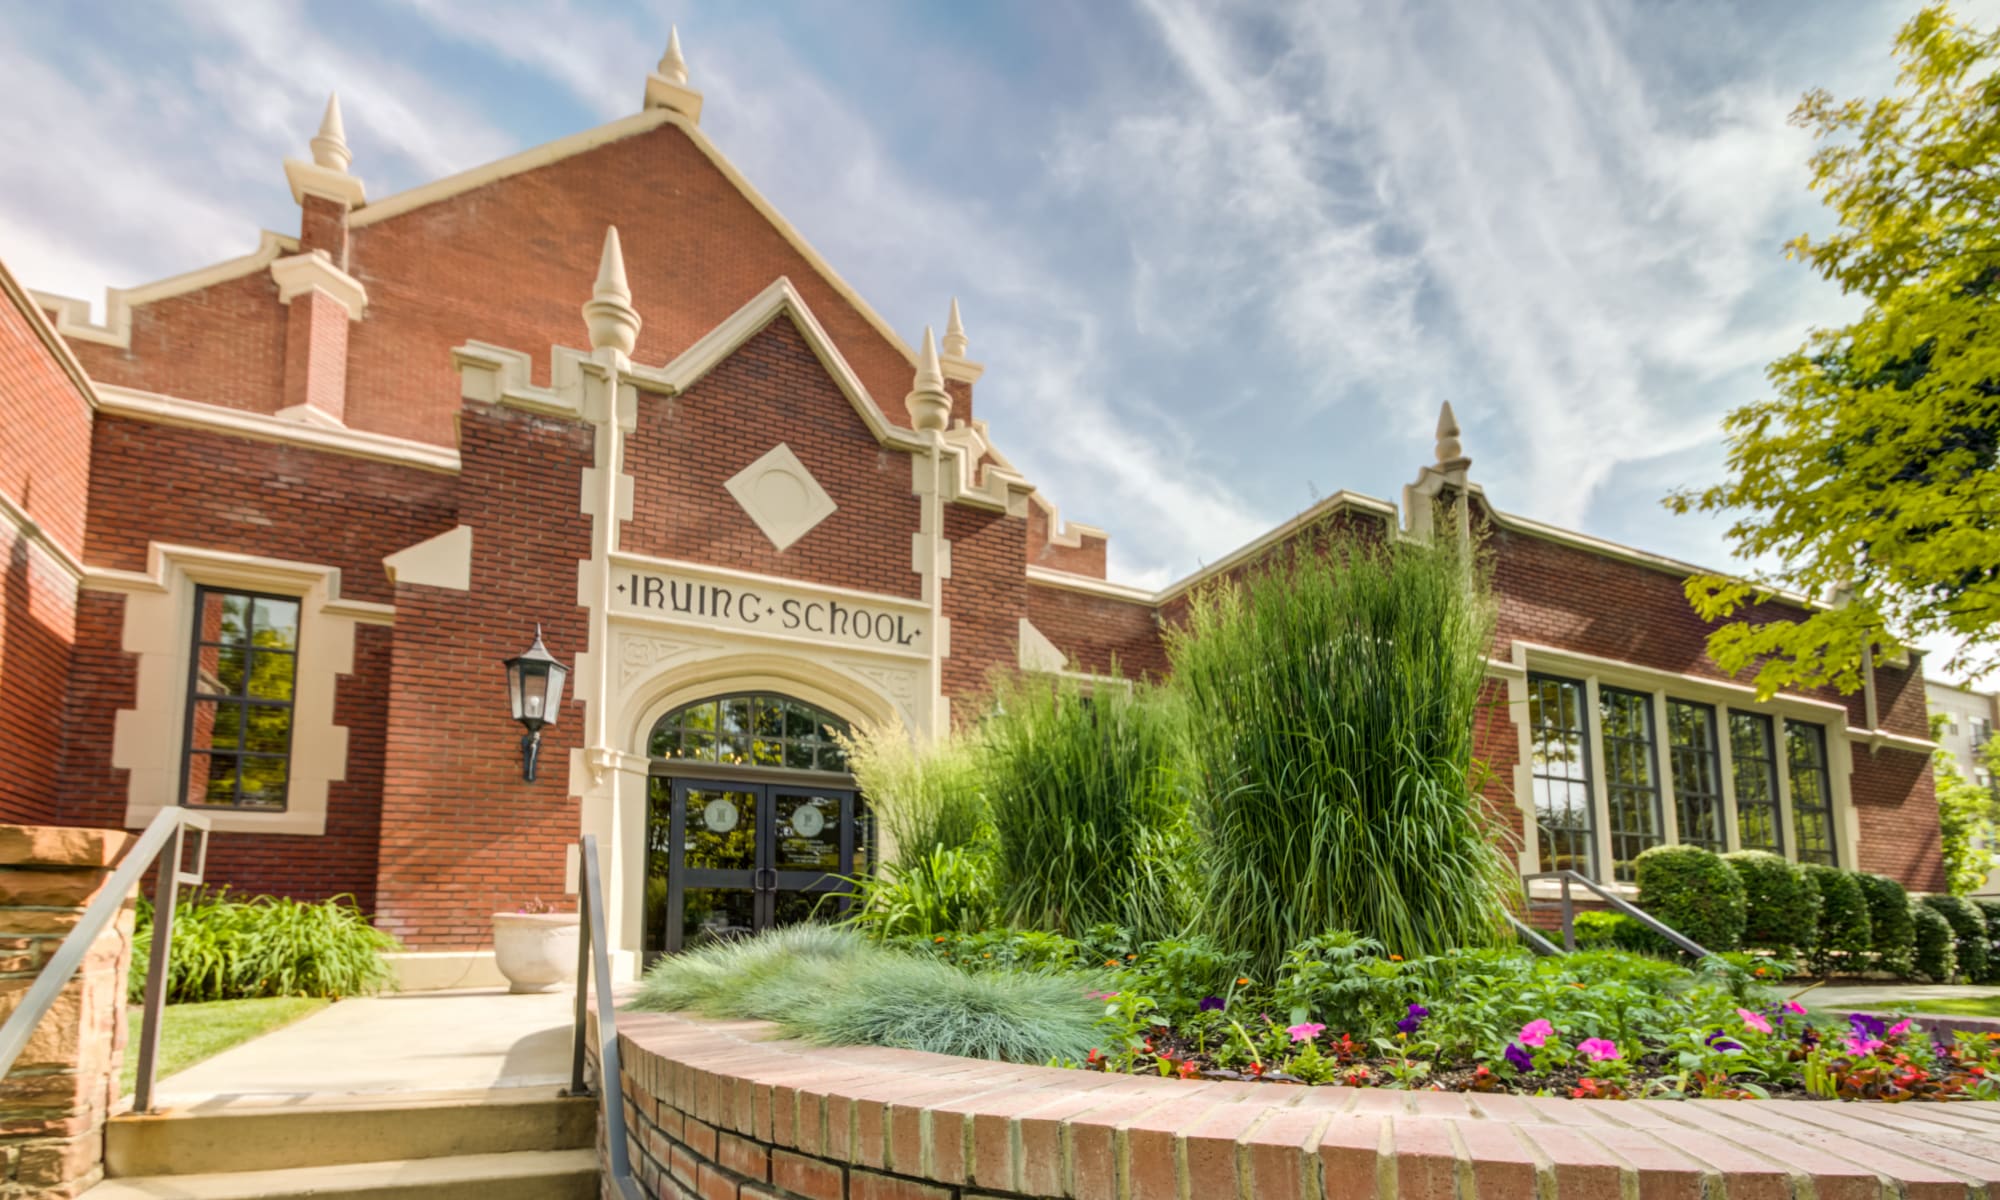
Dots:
(768, 606)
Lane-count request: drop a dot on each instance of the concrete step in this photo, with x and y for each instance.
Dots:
(331, 1131)
(522, 1175)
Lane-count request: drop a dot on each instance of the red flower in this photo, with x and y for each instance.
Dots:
(1187, 1068)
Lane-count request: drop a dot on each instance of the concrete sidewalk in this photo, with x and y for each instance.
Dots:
(422, 1042)
(1892, 995)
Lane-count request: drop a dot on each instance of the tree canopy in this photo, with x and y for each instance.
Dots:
(1868, 479)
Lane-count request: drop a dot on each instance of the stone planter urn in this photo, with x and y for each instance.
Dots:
(535, 951)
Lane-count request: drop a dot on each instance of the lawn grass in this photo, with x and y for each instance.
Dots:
(193, 1032)
(1966, 1006)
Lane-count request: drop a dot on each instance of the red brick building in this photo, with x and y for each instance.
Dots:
(272, 526)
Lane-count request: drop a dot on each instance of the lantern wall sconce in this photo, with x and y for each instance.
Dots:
(535, 687)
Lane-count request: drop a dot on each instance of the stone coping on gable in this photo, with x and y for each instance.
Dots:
(726, 1110)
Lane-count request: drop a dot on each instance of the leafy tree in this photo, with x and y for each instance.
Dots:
(1965, 826)
(1870, 477)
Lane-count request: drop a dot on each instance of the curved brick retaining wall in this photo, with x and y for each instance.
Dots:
(720, 1111)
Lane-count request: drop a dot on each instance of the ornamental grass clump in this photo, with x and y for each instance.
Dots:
(229, 949)
(1331, 699)
(833, 987)
(1089, 822)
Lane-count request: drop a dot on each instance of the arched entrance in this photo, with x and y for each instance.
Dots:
(752, 819)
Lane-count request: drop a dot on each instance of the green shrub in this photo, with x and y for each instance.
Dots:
(1616, 931)
(1084, 790)
(227, 949)
(1780, 905)
(1936, 956)
(948, 890)
(1693, 892)
(1968, 933)
(1891, 936)
(1332, 698)
(1989, 908)
(832, 987)
(1845, 935)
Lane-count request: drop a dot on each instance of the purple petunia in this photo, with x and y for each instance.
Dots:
(1518, 1055)
(1871, 1028)
(1718, 1042)
(1212, 1004)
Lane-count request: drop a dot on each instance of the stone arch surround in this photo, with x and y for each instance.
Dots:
(725, 1109)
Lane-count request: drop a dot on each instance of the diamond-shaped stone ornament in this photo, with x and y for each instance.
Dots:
(781, 496)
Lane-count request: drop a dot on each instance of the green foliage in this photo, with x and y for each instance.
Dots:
(1616, 931)
(227, 949)
(1780, 905)
(1002, 950)
(1936, 955)
(1693, 892)
(1965, 825)
(1872, 471)
(1088, 817)
(1968, 934)
(1989, 908)
(948, 890)
(1845, 935)
(831, 986)
(1331, 699)
(926, 796)
(1892, 934)
(1327, 979)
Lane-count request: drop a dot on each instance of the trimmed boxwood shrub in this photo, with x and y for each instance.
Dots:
(1937, 957)
(1780, 905)
(1692, 891)
(1616, 931)
(1989, 907)
(1845, 934)
(1891, 934)
(1968, 933)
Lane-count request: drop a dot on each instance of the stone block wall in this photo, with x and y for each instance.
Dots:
(54, 1102)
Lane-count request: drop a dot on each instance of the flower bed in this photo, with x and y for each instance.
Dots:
(1601, 1025)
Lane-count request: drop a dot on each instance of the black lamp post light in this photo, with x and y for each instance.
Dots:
(535, 686)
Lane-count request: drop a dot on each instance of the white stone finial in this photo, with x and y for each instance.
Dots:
(329, 146)
(672, 65)
(613, 322)
(954, 333)
(928, 402)
(1450, 455)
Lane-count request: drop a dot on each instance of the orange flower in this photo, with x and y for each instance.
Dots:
(938, 938)
(1243, 981)
(1110, 962)
(1395, 958)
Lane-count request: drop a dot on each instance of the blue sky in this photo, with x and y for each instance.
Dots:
(1219, 258)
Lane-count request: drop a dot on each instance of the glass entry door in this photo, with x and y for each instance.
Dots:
(726, 859)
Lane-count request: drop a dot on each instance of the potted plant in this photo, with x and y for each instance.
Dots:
(535, 947)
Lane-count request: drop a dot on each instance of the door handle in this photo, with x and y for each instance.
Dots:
(759, 883)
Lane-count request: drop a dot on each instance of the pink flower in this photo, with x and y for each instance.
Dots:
(1900, 1028)
(1598, 1049)
(1753, 1020)
(1099, 995)
(1795, 1008)
(1537, 1031)
(1860, 1046)
(1305, 1032)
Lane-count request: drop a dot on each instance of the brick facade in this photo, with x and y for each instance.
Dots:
(431, 825)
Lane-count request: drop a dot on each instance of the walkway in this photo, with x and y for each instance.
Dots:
(1892, 995)
(428, 1042)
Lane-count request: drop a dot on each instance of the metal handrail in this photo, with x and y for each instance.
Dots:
(1686, 944)
(593, 959)
(166, 834)
(1540, 945)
